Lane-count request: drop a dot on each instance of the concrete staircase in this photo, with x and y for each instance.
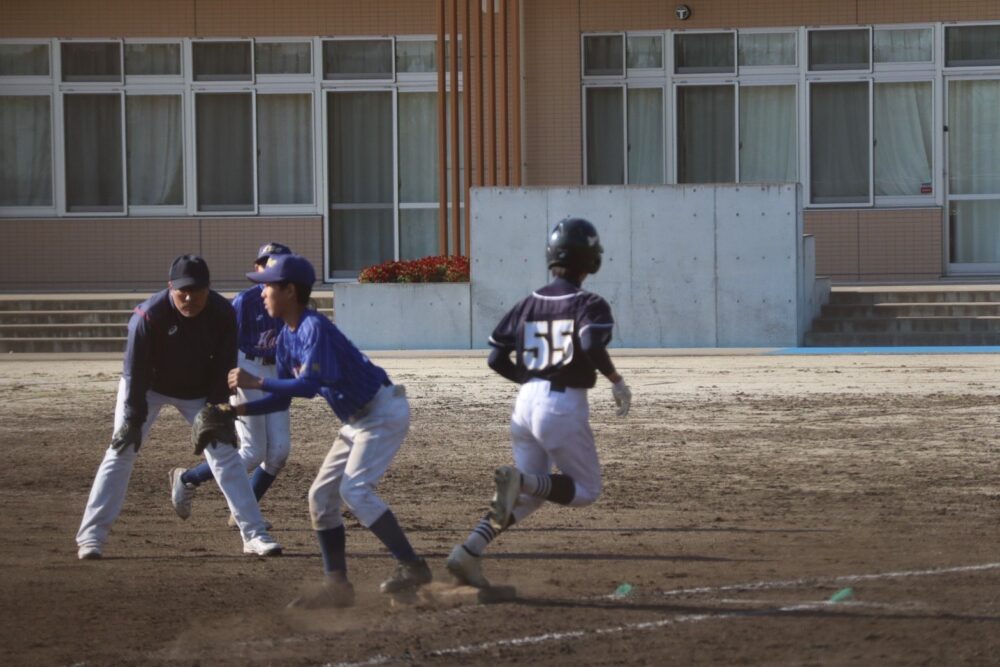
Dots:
(909, 315)
(77, 322)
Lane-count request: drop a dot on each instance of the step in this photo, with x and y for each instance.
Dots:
(24, 345)
(916, 309)
(814, 339)
(902, 325)
(16, 303)
(71, 330)
(65, 316)
(845, 297)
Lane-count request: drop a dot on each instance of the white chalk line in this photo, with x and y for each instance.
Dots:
(532, 640)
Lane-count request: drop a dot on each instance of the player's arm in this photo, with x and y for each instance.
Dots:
(137, 367)
(503, 341)
(596, 327)
(501, 363)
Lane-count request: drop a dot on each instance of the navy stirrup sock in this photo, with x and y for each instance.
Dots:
(332, 544)
(387, 529)
(197, 475)
(261, 481)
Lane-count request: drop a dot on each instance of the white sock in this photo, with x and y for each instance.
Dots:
(480, 537)
(538, 486)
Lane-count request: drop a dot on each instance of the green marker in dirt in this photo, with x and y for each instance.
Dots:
(842, 595)
(622, 591)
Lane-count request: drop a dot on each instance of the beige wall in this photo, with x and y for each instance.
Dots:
(132, 253)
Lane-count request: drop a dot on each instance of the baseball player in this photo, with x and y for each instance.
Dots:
(181, 344)
(265, 440)
(314, 357)
(559, 335)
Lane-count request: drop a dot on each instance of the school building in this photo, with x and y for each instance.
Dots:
(135, 130)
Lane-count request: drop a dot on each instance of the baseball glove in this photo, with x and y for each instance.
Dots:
(214, 424)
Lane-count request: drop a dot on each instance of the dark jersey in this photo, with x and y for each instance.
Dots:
(182, 357)
(544, 331)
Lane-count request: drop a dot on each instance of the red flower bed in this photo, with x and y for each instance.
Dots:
(449, 269)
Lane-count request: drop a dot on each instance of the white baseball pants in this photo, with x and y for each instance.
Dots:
(552, 429)
(359, 457)
(111, 482)
(265, 440)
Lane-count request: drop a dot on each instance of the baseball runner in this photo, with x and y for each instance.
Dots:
(265, 440)
(314, 357)
(559, 335)
(181, 343)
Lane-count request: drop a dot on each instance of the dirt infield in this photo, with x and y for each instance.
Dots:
(741, 494)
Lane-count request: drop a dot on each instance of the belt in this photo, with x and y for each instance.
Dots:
(264, 361)
(365, 409)
(557, 387)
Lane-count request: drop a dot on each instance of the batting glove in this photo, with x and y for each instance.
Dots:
(623, 397)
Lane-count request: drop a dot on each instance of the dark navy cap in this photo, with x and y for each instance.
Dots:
(189, 271)
(285, 268)
(269, 249)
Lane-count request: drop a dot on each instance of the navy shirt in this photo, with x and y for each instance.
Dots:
(545, 330)
(316, 358)
(178, 356)
(258, 331)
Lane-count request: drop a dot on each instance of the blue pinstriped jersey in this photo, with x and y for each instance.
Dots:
(258, 331)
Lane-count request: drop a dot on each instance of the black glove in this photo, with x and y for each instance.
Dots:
(214, 424)
(128, 434)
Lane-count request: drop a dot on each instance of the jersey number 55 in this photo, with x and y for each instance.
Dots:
(547, 344)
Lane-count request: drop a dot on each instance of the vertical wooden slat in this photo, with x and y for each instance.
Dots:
(479, 148)
(503, 153)
(442, 136)
(467, 116)
(491, 90)
(515, 94)
(456, 194)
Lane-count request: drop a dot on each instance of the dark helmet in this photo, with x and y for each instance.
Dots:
(574, 243)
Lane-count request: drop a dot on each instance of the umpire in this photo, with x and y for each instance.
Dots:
(181, 345)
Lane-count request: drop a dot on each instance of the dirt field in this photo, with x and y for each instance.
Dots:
(740, 495)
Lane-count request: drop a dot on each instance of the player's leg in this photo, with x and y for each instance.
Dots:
(279, 445)
(377, 439)
(231, 476)
(107, 495)
(564, 431)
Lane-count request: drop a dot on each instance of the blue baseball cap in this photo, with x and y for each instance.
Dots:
(272, 248)
(285, 268)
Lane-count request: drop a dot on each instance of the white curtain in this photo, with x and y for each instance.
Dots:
(418, 174)
(414, 56)
(357, 59)
(24, 59)
(644, 52)
(361, 172)
(904, 46)
(152, 59)
(838, 49)
(25, 151)
(93, 130)
(645, 136)
(974, 168)
(605, 136)
(602, 55)
(903, 147)
(838, 131)
(285, 149)
(155, 143)
(224, 137)
(709, 52)
(283, 57)
(221, 61)
(706, 134)
(768, 146)
(766, 48)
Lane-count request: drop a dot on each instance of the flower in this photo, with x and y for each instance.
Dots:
(440, 269)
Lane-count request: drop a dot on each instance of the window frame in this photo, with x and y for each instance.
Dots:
(674, 34)
(807, 64)
(193, 132)
(775, 80)
(272, 79)
(56, 67)
(29, 80)
(156, 79)
(288, 209)
(769, 70)
(942, 53)
(36, 90)
(921, 66)
(154, 210)
(321, 74)
(642, 72)
(63, 210)
(192, 77)
(701, 83)
(583, 57)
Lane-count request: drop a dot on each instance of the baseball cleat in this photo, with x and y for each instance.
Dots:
(232, 523)
(262, 545)
(181, 494)
(89, 552)
(466, 568)
(409, 575)
(508, 481)
(333, 594)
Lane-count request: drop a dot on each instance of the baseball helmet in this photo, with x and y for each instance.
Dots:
(574, 244)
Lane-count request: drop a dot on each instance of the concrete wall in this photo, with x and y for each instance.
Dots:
(684, 266)
(421, 316)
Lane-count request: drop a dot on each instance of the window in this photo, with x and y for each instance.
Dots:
(24, 60)
(839, 50)
(645, 136)
(904, 45)
(767, 49)
(840, 139)
(155, 141)
(904, 151)
(25, 151)
(225, 155)
(154, 59)
(704, 53)
(275, 58)
(605, 136)
(418, 175)
(93, 131)
(972, 46)
(357, 59)
(285, 148)
(603, 55)
(222, 61)
(644, 52)
(91, 62)
(768, 129)
(706, 128)
(416, 56)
